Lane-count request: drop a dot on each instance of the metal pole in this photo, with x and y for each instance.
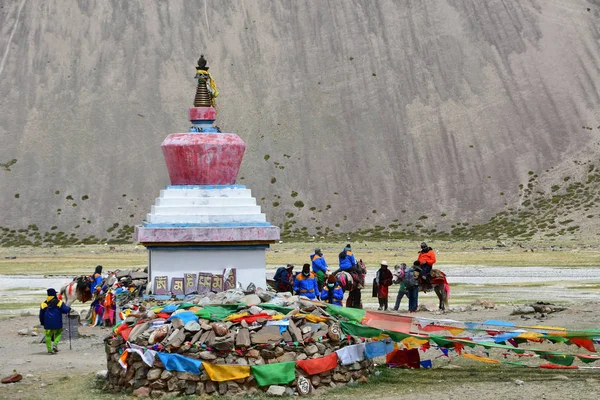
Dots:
(69, 323)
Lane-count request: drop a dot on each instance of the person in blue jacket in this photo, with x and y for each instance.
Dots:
(332, 293)
(51, 319)
(347, 261)
(319, 266)
(96, 280)
(306, 284)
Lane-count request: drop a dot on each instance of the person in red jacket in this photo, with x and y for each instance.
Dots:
(426, 259)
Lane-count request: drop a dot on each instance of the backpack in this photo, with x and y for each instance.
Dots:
(409, 278)
(278, 274)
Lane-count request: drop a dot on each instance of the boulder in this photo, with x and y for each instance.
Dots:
(177, 323)
(142, 392)
(154, 374)
(311, 349)
(523, 310)
(207, 355)
(12, 378)
(176, 338)
(251, 300)
(138, 330)
(268, 334)
(220, 329)
(242, 339)
(192, 326)
(276, 390)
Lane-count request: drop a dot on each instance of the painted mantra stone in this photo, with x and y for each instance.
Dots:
(205, 283)
(189, 282)
(177, 286)
(160, 285)
(304, 387)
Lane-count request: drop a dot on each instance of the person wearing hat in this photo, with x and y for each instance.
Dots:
(332, 293)
(284, 278)
(306, 284)
(51, 319)
(347, 260)
(383, 279)
(426, 259)
(319, 266)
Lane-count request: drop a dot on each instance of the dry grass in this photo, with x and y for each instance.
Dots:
(82, 259)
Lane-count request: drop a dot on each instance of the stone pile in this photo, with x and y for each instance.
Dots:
(299, 330)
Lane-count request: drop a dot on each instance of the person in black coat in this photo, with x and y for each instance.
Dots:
(51, 312)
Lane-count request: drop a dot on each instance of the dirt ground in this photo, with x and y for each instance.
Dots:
(457, 379)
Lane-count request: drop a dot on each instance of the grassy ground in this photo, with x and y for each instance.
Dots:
(82, 259)
(388, 384)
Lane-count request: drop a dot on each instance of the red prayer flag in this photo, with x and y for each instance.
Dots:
(394, 323)
(125, 333)
(587, 344)
(399, 358)
(554, 366)
(319, 365)
(252, 318)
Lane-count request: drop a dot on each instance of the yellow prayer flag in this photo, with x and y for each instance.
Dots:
(548, 328)
(240, 315)
(530, 336)
(222, 373)
(454, 331)
(478, 358)
(314, 318)
(412, 342)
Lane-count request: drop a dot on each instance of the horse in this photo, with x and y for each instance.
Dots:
(440, 286)
(79, 288)
(353, 282)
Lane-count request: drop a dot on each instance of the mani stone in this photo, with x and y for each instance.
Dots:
(242, 339)
(220, 329)
(268, 334)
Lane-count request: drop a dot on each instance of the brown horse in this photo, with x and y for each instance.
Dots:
(440, 286)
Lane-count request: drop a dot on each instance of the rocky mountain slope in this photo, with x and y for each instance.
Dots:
(377, 118)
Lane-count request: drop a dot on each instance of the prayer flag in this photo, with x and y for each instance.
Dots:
(274, 374)
(177, 362)
(479, 358)
(184, 316)
(351, 354)
(587, 344)
(404, 358)
(354, 329)
(318, 365)
(222, 373)
(378, 349)
(395, 323)
(353, 314)
(123, 359)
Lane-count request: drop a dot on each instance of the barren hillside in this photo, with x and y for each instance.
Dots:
(359, 116)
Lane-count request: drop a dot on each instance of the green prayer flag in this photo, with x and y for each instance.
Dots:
(353, 314)
(186, 305)
(281, 309)
(274, 374)
(354, 329)
(517, 364)
(396, 336)
(588, 358)
(560, 359)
